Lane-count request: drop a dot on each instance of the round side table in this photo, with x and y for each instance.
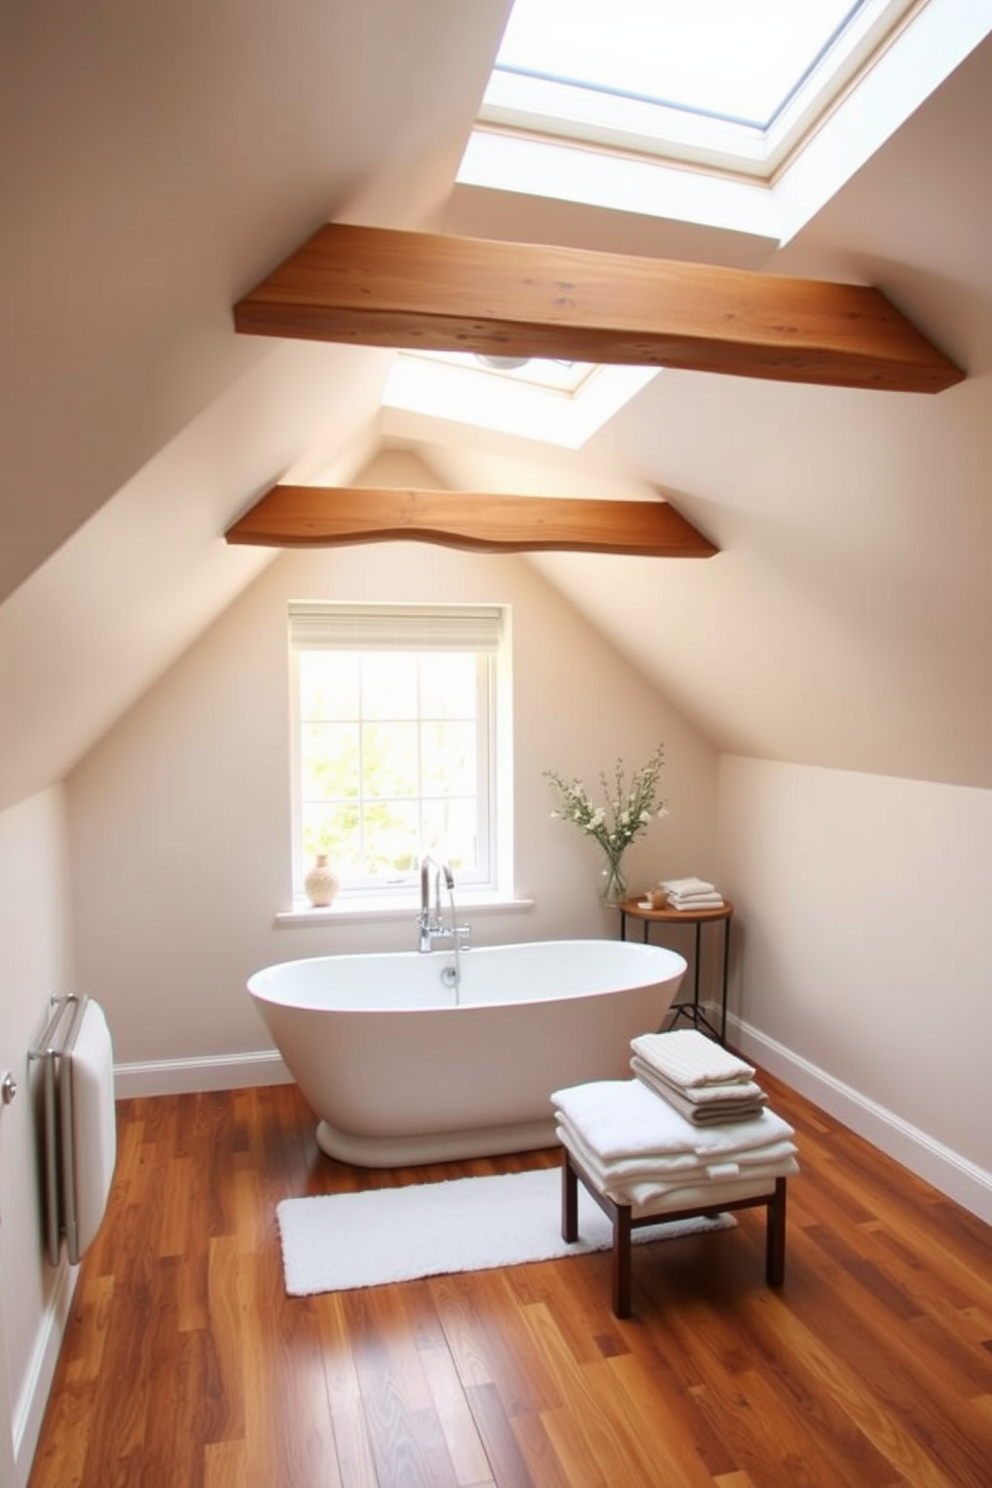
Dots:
(633, 909)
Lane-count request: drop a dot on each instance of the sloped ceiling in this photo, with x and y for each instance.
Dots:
(156, 162)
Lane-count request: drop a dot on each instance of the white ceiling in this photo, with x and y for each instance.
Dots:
(155, 162)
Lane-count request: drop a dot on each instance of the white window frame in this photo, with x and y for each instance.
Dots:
(482, 629)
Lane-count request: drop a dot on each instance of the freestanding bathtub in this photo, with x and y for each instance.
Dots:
(400, 1068)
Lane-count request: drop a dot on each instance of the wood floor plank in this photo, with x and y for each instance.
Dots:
(800, 1462)
(225, 1464)
(407, 1442)
(500, 1341)
(353, 1449)
(499, 1440)
(661, 1407)
(598, 1416)
(848, 1379)
(868, 1324)
(185, 1363)
(84, 1345)
(578, 1467)
(468, 1456)
(173, 1449)
(575, 1297)
(541, 1458)
(827, 1428)
(286, 1402)
(229, 1322)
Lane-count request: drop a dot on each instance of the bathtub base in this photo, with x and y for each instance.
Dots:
(431, 1147)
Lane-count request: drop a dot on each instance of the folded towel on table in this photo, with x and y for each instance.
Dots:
(687, 1057)
(661, 1170)
(623, 1118)
(737, 1091)
(695, 901)
(638, 1190)
(717, 1115)
(687, 886)
(640, 1194)
(722, 1103)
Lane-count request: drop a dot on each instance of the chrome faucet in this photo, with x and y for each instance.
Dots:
(429, 923)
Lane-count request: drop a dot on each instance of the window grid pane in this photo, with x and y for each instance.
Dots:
(393, 762)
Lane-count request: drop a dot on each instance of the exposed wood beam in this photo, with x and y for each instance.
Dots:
(381, 287)
(323, 517)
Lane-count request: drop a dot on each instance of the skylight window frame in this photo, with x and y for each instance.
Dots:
(547, 374)
(542, 106)
(443, 386)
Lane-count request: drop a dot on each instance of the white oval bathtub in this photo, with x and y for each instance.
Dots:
(399, 1073)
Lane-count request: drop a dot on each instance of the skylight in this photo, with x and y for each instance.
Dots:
(738, 61)
(543, 372)
(733, 83)
(745, 115)
(810, 90)
(562, 403)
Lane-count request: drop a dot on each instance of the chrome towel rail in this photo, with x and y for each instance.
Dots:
(54, 1052)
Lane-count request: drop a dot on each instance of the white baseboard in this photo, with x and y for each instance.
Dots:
(956, 1176)
(960, 1179)
(29, 1408)
(209, 1072)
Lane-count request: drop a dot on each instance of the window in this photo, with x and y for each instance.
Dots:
(735, 83)
(395, 747)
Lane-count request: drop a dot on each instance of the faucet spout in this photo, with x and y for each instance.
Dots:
(429, 922)
(429, 925)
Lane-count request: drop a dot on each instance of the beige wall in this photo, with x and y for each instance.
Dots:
(862, 954)
(34, 964)
(180, 817)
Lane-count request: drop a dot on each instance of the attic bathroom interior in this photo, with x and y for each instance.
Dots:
(733, 495)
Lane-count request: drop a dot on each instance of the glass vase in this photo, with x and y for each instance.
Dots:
(613, 882)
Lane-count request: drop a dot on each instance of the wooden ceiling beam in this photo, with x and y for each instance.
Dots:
(324, 517)
(382, 287)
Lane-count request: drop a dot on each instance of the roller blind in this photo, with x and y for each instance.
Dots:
(321, 627)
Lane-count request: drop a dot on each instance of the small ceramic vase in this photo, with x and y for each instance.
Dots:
(321, 883)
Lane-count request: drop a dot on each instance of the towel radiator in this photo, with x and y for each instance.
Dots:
(61, 1153)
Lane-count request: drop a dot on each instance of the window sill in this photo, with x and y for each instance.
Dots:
(354, 908)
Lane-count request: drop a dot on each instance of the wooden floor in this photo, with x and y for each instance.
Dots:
(186, 1364)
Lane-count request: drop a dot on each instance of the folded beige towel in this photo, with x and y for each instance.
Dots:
(716, 1115)
(737, 1091)
(687, 1057)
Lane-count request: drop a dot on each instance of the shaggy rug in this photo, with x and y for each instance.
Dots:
(334, 1242)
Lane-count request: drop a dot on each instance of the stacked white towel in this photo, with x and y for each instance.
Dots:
(691, 893)
(638, 1149)
(706, 1083)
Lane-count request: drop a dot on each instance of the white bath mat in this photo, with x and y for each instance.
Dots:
(334, 1242)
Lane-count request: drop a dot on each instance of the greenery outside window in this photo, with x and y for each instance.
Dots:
(395, 741)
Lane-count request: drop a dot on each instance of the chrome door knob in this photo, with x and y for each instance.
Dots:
(8, 1088)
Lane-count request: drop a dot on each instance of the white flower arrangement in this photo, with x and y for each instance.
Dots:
(628, 810)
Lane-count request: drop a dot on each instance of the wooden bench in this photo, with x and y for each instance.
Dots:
(623, 1221)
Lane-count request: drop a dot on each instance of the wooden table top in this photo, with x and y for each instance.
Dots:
(639, 910)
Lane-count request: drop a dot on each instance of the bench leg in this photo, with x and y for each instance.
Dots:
(621, 1260)
(775, 1237)
(569, 1200)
